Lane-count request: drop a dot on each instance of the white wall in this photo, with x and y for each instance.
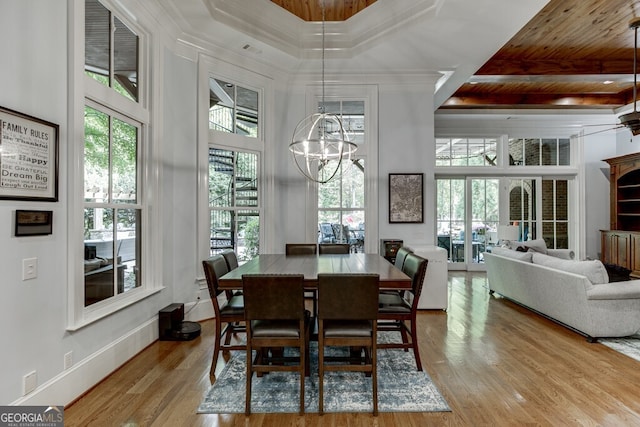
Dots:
(33, 42)
(407, 145)
(33, 80)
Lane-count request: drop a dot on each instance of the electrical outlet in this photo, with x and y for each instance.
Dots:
(68, 360)
(29, 268)
(30, 382)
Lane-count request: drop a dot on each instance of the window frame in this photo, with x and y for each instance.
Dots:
(368, 151)
(84, 90)
(212, 68)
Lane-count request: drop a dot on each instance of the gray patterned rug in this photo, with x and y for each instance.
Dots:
(629, 346)
(401, 388)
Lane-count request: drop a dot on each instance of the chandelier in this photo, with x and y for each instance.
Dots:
(320, 144)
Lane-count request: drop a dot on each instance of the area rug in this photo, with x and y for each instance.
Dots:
(401, 388)
(629, 346)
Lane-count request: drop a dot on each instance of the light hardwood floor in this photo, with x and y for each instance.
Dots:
(496, 364)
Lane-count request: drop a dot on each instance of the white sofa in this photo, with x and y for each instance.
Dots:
(576, 294)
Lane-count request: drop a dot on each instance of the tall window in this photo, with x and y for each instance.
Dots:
(341, 201)
(112, 209)
(234, 203)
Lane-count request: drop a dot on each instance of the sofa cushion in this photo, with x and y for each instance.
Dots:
(506, 252)
(593, 270)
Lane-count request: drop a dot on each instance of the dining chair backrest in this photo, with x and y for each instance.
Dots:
(301, 249)
(401, 255)
(415, 267)
(350, 296)
(231, 258)
(214, 268)
(334, 248)
(273, 296)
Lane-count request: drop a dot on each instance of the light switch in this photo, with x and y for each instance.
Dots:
(29, 268)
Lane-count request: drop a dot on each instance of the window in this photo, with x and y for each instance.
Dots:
(555, 213)
(111, 50)
(233, 108)
(112, 209)
(539, 152)
(111, 214)
(234, 203)
(341, 201)
(466, 152)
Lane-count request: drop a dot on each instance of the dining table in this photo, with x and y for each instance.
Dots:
(311, 265)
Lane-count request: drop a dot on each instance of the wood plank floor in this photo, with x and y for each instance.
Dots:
(497, 364)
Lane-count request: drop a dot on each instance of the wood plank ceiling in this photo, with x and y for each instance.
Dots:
(334, 10)
(573, 54)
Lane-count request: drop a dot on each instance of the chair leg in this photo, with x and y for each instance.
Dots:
(216, 349)
(320, 372)
(303, 363)
(414, 342)
(374, 381)
(247, 402)
(403, 332)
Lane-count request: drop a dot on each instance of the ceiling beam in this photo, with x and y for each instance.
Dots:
(528, 100)
(555, 67)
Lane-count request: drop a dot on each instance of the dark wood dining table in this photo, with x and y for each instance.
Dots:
(311, 265)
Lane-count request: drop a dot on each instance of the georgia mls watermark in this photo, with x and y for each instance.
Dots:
(31, 416)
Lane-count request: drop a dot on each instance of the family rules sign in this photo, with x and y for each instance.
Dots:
(28, 157)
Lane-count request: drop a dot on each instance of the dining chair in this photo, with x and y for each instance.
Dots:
(300, 248)
(334, 248)
(276, 318)
(395, 310)
(229, 313)
(347, 313)
(401, 254)
(231, 258)
(304, 249)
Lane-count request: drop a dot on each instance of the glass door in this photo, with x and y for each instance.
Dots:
(450, 220)
(467, 219)
(482, 219)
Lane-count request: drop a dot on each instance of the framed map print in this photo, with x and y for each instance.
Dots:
(405, 198)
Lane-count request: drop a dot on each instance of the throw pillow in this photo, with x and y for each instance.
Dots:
(593, 270)
(617, 273)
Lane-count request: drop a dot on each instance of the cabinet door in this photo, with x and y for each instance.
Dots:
(615, 248)
(634, 257)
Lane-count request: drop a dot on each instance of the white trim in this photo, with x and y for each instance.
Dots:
(67, 386)
(83, 91)
(368, 151)
(211, 67)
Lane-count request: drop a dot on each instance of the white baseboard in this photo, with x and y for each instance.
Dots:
(75, 381)
(82, 376)
(200, 310)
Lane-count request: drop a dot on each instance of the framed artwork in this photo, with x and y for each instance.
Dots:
(406, 201)
(28, 157)
(33, 223)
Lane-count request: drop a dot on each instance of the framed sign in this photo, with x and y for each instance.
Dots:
(28, 157)
(33, 223)
(405, 198)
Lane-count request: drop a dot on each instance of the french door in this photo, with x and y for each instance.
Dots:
(467, 219)
(469, 210)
